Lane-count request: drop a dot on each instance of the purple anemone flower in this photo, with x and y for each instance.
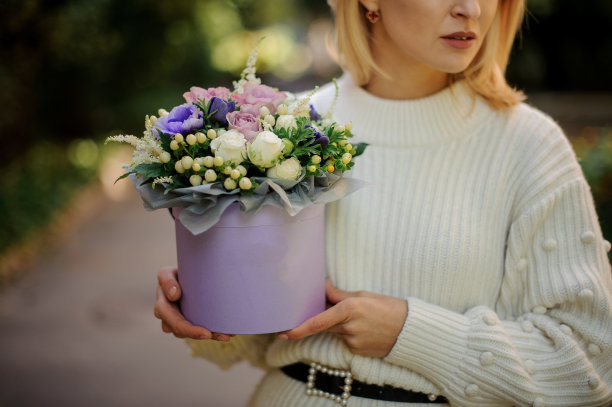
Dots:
(221, 109)
(319, 138)
(182, 119)
(314, 115)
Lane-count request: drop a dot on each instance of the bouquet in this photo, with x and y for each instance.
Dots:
(245, 173)
(254, 144)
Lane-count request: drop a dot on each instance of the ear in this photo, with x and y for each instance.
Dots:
(370, 4)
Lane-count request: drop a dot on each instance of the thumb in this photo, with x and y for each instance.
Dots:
(335, 295)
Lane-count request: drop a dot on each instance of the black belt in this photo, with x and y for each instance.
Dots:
(331, 381)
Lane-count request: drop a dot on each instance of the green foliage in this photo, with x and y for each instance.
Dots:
(35, 188)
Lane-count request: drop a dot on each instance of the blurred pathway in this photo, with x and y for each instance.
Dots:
(78, 329)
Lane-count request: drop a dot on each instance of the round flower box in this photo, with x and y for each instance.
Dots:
(253, 274)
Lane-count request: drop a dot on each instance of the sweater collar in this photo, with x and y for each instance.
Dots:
(450, 114)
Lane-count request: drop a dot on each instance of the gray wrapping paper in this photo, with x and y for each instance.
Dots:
(204, 204)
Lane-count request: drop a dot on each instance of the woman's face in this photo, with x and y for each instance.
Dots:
(444, 35)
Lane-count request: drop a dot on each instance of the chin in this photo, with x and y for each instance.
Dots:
(454, 68)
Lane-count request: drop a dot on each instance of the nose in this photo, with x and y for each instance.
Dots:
(469, 9)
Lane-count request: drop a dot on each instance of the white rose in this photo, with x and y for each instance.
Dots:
(231, 146)
(286, 121)
(265, 149)
(288, 169)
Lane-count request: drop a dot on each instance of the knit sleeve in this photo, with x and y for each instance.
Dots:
(251, 348)
(548, 340)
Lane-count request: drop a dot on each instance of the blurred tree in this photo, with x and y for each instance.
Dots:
(81, 68)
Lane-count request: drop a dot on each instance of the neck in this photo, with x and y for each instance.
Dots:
(405, 86)
(406, 78)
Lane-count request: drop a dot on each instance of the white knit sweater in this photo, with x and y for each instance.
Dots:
(483, 221)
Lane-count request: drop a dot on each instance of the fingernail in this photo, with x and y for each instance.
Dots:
(173, 291)
(204, 336)
(283, 337)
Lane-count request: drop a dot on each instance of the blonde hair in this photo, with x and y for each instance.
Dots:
(484, 76)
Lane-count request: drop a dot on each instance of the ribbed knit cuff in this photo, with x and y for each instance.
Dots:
(432, 341)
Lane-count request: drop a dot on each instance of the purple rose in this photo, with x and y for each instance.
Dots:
(220, 108)
(182, 119)
(245, 121)
(260, 95)
(195, 93)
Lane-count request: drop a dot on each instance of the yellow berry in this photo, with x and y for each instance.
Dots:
(196, 167)
(312, 168)
(211, 134)
(340, 129)
(187, 162)
(243, 171)
(342, 143)
(191, 139)
(349, 126)
(179, 138)
(331, 168)
(195, 180)
(210, 176)
(208, 161)
(218, 161)
(348, 148)
(229, 184)
(178, 167)
(346, 158)
(315, 159)
(227, 170)
(269, 119)
(235, 174)
(164, 157)
(200, 137)
(174, 145)
(245, 183)
(264, 111)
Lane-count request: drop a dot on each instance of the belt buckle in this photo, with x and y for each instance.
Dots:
(311, 390)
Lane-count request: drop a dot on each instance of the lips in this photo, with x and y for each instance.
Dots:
(460, 39)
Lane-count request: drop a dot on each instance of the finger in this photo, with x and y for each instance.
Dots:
(168, 280)
(177, 324)
(319, 323)
(335, 295)
(222, 337)
(165, 327)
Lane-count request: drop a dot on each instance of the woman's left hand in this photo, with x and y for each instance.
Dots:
(368, 323)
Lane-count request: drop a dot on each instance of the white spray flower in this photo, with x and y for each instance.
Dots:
(231, 146)
(289, 169)
(286, 121)
(265, 149)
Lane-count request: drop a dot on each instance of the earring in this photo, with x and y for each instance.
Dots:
(373, 16)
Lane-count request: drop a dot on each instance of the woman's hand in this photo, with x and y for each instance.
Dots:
(166, 309)
(368, 323)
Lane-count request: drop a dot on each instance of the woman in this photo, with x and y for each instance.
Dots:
(472, 271)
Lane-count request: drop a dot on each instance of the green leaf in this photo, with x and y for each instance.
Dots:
(123, 176)
(153, 170)
(360, 148)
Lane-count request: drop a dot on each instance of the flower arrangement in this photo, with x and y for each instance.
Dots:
(258, 147)
(252, 140)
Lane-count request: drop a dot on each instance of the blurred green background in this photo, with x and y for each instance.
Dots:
(74, 72)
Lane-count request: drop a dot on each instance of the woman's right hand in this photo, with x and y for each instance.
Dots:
(167, 310)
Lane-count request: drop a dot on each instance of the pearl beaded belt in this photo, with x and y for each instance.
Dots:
(339, 385)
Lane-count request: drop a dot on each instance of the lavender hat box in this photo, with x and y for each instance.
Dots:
(253, 274)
